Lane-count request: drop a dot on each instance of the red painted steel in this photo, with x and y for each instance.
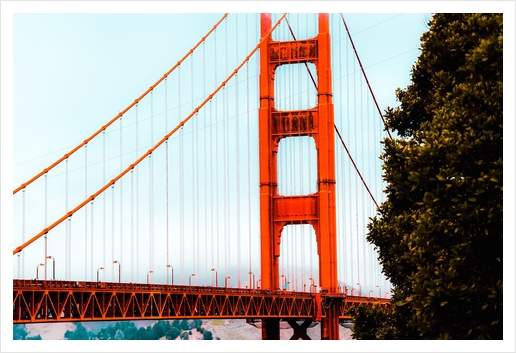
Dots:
(318, 209)
(36, 301)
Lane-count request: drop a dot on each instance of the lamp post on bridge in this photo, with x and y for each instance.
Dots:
(148, 273)
(216, 277)
(53, 266)
(251, 280)
(312, 286)
(284, 286)
(258, 281)
(226, 281)
(352, 289)
(172, 267)
(190, 279)
(359, 289)
(37, 270)
(119, 269)
(98, 272)
(379, 291)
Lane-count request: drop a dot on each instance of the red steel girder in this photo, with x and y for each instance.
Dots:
(60, 301)
(63, 301)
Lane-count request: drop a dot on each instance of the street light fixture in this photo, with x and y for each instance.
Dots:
(119, 269)
(311, 285)
(251, 280)
(226, 280)
(258, 281)
(37, 270)
(53, 266)
(359, 289)
(148, 273)
(285, 282)
(172, 267)
(98, 271)
(216, 278)
(190, 279)
(379, 291)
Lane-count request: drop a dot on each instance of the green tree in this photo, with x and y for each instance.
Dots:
(20, 333)
(439, 232)
(207, 336)
(123, 330)
(80, 333)
(173, 333)
(184, 325)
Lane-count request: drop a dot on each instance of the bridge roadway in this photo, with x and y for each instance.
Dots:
(43, 301)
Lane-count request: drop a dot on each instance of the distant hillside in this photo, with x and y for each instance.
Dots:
(228, 329)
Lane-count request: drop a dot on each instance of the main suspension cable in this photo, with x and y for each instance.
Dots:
(335, 126)
(103, 128)
(365, 76)
(152, 149)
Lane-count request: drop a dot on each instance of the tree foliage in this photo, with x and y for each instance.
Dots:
(126, 330)
(20, 333)
(439, 232)
(80, 333)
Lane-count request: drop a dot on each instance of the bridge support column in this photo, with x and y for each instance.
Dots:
(330, 327)
(300, 330)
(270, 329)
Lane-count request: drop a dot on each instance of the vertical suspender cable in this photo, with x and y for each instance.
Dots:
(166, 184)
(217, 254)
(112, 226)
(205, 165)
(194, 176)
(237, 150)
(151, 241)
(103, 198)
(151, 190)
(86, 215)
(92, 238)
(212, 206)
(340, 220)
(248, 151)
(225, 134)
(46, 220)
(137, 247)
(131, 252)
(348, 118)
(68, 259)
(121, 199)
(181, 184)
(21, 262)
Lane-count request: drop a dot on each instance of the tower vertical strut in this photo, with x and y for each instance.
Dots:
(317, 209)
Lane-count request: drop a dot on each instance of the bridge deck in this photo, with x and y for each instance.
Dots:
(65, 301)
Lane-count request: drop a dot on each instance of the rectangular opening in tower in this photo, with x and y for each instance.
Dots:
(297, 166)
(295, 87)
(299, 262)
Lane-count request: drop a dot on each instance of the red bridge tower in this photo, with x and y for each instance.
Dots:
(317, 209)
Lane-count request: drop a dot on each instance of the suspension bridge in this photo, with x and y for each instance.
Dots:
(238, 185)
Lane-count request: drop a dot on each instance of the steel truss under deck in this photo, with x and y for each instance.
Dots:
(64, 301)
